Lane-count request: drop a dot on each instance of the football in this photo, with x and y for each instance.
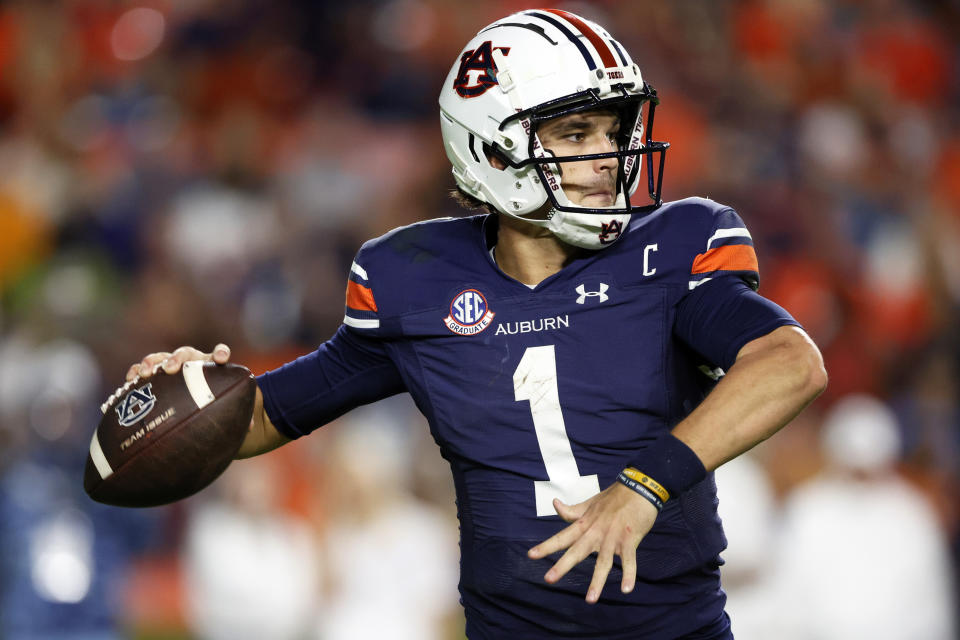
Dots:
(163, 438)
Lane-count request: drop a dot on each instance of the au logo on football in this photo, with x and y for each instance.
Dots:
(469, 313)
(136, 405)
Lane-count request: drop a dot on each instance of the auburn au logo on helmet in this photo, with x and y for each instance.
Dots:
(481, 61)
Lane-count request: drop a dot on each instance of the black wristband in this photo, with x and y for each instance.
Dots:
(672, 463)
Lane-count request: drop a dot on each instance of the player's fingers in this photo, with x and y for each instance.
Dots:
(180, 355)
(600, 572)
(571, 512)
(574, 556)
(145, 367)
(221, 353)
(558, 541)
(628, 560)
(132, 371)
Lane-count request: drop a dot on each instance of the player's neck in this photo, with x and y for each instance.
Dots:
(528, 253)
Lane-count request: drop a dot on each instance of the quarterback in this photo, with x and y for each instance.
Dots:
(585, 356)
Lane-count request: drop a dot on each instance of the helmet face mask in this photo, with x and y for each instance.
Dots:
(633, 149)
(522, 72)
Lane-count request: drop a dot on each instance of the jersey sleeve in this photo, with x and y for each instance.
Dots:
(717, 319)
(350, 369)
(346, 371)
(722, 310)
(728, 250)
(377, 289)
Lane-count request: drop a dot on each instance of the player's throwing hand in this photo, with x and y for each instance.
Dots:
(610, 523)
(171, 362)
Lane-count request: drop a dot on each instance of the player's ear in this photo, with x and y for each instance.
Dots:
(494, 158)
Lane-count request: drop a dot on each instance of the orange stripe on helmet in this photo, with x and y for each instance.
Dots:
(731, 257)
(360, 297)
(602, 48)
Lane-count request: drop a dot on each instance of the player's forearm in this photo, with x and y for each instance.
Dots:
(262, 436)
(772, 380)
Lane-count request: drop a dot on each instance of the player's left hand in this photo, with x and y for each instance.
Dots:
(611, 522)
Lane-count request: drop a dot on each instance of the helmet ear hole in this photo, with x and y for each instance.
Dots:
(496, 159)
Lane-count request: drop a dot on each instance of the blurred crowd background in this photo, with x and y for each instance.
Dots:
(178, 172)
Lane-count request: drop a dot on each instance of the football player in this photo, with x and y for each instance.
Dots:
(585, 356)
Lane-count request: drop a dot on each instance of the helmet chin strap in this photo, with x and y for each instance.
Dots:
(586, 230)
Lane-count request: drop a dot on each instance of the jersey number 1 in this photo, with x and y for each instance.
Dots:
(536, 380)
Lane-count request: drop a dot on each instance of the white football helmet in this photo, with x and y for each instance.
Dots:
(525, 69)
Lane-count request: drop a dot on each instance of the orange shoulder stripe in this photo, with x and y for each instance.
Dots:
(360, 297)
(731, 257)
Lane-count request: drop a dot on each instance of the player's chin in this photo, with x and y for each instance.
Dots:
(594, 200)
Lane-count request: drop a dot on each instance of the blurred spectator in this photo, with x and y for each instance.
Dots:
(63, 559)
(749, 514)
(861, 553)
(384, 550)
(250, 566)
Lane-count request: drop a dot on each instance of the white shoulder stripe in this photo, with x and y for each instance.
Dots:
(361, 323)
(99, 460)
(696, 283)
(360, 271)
(736, 232)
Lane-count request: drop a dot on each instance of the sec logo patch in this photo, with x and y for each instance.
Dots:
(469, 313)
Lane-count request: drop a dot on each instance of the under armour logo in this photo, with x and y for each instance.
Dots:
(584, 294)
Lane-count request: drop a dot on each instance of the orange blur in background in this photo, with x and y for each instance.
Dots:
(194, 172)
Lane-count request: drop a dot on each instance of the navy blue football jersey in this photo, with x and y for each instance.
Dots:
(535, 393)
